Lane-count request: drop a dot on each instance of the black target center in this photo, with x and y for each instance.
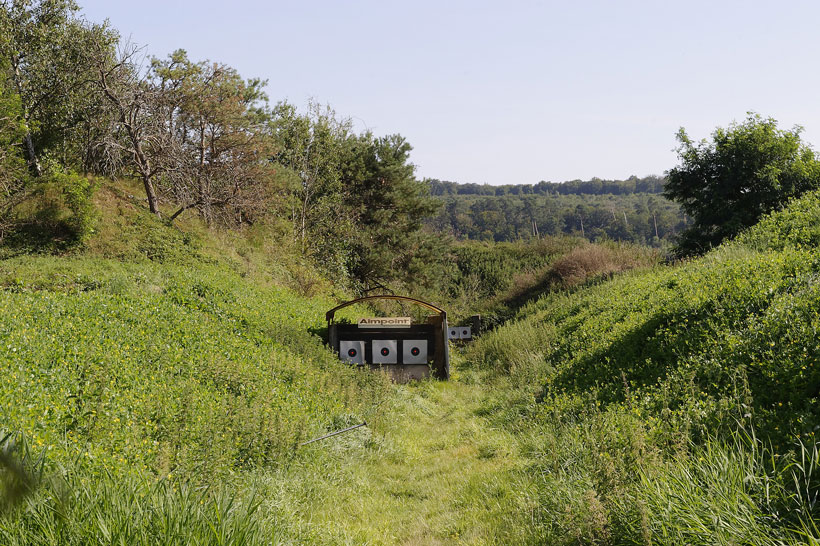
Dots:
(385, 351)
(415, 351)
(352, 352)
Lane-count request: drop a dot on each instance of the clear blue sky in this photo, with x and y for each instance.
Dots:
(516, 91)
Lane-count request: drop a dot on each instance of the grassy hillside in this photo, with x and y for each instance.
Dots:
(161, 377)
(676, 404)
(163, 367)
(156, 387)
(159, 373)
(189, 375)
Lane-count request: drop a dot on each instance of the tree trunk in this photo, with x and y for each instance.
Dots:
(153, 203)
(31, 154)
(143, 166)
(201, 178)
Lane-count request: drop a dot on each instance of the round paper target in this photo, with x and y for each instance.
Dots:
(352, 353)
(385, 351)
(415, 351)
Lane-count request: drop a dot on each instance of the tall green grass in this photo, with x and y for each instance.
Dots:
(74, 505)
(735, 491)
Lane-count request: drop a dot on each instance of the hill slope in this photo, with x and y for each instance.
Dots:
(164, 369)
(667, 377)
(166, 393)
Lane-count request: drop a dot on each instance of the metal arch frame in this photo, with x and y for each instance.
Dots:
(330, 314)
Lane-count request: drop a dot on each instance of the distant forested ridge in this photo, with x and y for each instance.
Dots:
(594, 186)
(632, 210)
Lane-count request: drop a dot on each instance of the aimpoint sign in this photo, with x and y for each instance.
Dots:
(385, 322)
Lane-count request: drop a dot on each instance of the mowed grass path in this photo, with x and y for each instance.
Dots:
(429, 470)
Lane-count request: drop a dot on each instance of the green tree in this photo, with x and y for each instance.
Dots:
(747, 170)
(13, 172)
(46, 50)
(220, 123)
(390, 207)
(314, 148)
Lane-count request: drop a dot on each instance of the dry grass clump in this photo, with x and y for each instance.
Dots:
(593, 261)
(581, 264)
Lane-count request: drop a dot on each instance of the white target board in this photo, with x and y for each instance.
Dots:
(454, 333)
(385, 351)
(352, 351)
(414, 351)
(465, 332)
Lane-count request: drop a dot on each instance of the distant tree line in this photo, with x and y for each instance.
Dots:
(645, 218)
(595, 186)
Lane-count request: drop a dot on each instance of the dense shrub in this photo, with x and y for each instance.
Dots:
(596, 261)
(77, 191)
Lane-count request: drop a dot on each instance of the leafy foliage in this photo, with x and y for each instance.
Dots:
(45, 51)
(390, 206)
(219, 125)
(13, 172)
(748, 169)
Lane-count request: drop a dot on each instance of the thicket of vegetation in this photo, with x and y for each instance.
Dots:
(746, 171)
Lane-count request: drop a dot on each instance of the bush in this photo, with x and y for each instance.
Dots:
(58, 213)
(747, 171)
(77, 193)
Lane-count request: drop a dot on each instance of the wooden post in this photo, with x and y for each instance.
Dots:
(476, 323)
(333, 337)
(446, 347)
(441, 349)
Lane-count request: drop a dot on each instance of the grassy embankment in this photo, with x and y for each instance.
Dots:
(167, 396)
(155, 373)
(676, 405)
